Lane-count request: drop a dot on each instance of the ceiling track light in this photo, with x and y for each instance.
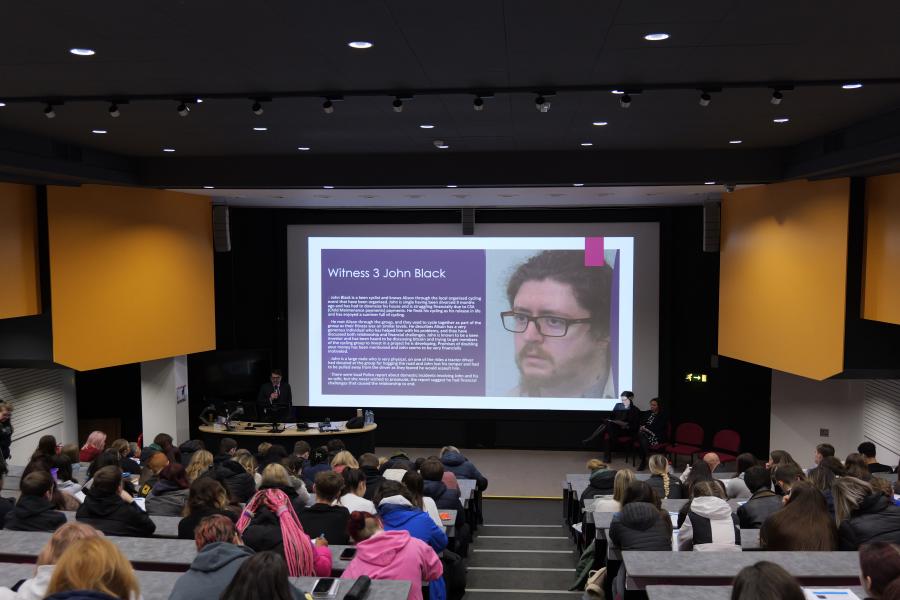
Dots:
(478, 104)
(397, 105)
(257, 108)
(542, 102)
(49, 112)
(328, 107)
(625, 101)
(777, 97)
(705, 99)
(114, 111)
(183, 109)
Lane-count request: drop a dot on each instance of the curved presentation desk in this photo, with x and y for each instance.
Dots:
(357, 441)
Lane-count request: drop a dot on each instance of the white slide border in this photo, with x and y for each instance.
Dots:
(314, 275)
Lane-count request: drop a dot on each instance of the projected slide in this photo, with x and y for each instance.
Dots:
(500, 323)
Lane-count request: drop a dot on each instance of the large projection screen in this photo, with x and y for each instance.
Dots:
(519, 317)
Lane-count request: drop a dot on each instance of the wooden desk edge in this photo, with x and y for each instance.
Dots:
(287, 432)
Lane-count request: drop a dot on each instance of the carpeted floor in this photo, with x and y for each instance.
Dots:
(528, 473)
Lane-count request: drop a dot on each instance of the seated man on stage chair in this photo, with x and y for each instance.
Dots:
(274, 398)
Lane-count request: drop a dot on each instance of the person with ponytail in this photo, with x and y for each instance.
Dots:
(665, 486)
(269, 522)
(394, 554)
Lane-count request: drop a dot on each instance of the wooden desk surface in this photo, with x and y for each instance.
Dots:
(262, 429)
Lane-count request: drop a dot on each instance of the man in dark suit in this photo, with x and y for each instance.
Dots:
(274, 397)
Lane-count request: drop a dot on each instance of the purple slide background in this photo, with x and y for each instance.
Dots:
(465, 276)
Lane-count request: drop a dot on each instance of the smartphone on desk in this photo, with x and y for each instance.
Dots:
(325, 587)
(347, 553)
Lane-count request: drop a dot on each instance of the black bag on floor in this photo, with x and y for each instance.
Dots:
(454, 575)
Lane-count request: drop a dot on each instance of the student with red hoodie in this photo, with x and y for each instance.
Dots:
(394, 554)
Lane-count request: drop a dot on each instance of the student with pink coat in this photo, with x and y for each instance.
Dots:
(395, 555)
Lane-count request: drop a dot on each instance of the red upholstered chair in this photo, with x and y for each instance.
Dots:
(727, 444)
(687, 441)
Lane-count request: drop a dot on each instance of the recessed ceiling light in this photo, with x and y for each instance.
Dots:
(735, 141)
(98, 131)
(168, 149)
(199, 101)
(81, 51)
(618, 92)
(327, 187)
(599, 123)
(260, 129)
(452, 186)
(578, 184)
(656, 37)
(781, 120)
(709, 183)
(208, 187)
(426, 126)
(2, 104)
(851, 86)
(303, 148)
(361, 45)
(444, 146)
(586, 144)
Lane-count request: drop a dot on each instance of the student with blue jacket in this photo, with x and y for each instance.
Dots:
(397, 512)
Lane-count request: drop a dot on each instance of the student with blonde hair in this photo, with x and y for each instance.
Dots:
(246, 459)
(665, 486)
(863, 515)
(201, 462)
(343, 460)
(35, 587)
(94, 564)
(621, 480)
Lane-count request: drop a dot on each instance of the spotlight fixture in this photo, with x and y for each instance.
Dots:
(478, 104)
(656, 37)
(617, 92)
(257, 108)
(99, 131)
(542, 104)
(49, 112)
(729, 187)
(327, 187)
(303, 148)
(114, 110)
(397, 104)
(2, 104)
(705, 99)
(208, 187)
(260, 129)
(587, 144)
(426, 126)
(709, 183)
(625, 101)
(735, 141)
(168, 149)
(328, 107)
(440, 144)
(780, 120)
(82, 51)
(452, 186)
(183, 109)
(777, 97)
(360, 45)
(600, 123)
(578, 184)
(851, 86)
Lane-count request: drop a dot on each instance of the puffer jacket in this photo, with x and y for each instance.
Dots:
(876, 520)
(113, 516)
(460, 466)
(709, 525)
(239, 483)
(757, 509)
(211, 571)
(601, 484)
(641, 526)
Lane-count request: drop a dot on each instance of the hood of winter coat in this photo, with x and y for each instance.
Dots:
(639, 515)
(453, 459)
(711, 507)
(217, 555)
(382, 549)
(603, 479)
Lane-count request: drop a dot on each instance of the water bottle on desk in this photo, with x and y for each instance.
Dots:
(370, 418)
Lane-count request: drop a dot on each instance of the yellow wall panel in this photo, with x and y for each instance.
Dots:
(131, 274)
(881, 290)
(783, 276)
(19, 291)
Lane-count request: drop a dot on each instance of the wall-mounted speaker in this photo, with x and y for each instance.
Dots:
(712, 226)
(221, 229)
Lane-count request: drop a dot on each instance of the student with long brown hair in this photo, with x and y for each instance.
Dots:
(802, 524)
(97, 565)
(863, 515)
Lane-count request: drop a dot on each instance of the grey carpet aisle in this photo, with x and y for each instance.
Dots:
(521, 552)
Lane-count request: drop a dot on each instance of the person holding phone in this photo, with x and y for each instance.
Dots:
(394, 554)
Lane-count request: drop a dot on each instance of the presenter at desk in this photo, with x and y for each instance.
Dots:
(274, 396)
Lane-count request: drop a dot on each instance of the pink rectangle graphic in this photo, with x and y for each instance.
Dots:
(593, 252)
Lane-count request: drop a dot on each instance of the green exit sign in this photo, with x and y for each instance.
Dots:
(695, 377)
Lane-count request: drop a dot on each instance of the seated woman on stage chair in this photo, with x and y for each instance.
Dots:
(625, 420)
